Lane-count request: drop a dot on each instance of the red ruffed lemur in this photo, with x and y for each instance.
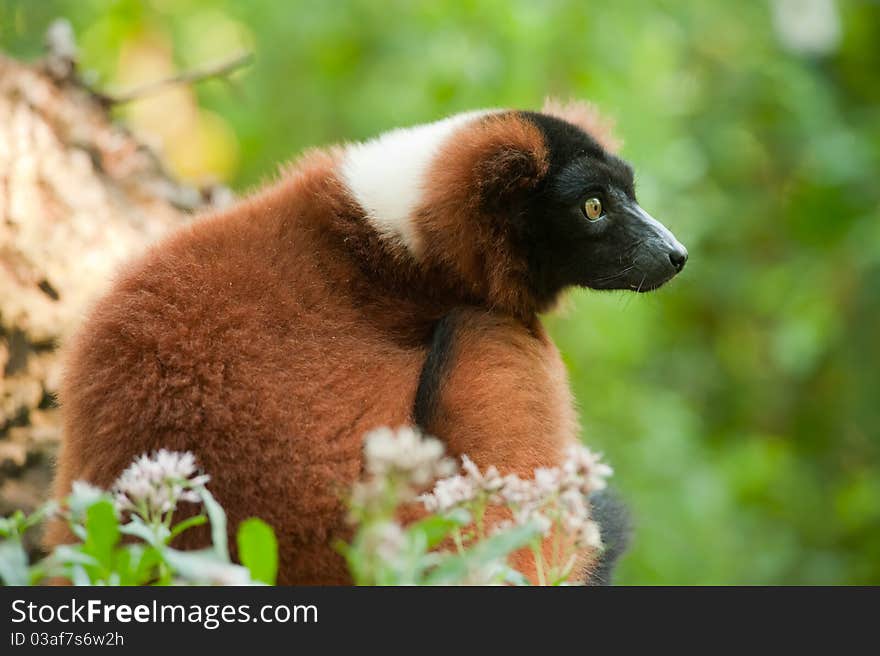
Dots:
(395, 281)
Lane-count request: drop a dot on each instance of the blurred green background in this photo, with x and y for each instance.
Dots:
(740, 406)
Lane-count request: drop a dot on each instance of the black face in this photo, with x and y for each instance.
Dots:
(584, 227)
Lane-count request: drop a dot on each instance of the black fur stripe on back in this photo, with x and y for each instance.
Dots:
(434, 371)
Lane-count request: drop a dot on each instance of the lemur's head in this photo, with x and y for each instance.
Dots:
(516, 205)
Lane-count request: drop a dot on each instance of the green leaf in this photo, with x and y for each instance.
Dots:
(102, 532)
(13, 563)
(79, 576)
(68, 554)
(434, 529)
(14, 525)
(258, 549)
(137, 528)
(6, 527)
(195, 520)
(145, 571)
(354, 559)
(122, 566)
(9, 526)
(218, 523)
(455, 568)
(206, 567)
(40, 514)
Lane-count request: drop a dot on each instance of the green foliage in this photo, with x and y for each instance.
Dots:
(385, 553)
(738, 405)
(100, 558)
(258, 550)
(102, 536)
(484, 553)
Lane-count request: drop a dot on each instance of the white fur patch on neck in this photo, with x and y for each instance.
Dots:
(386, 175)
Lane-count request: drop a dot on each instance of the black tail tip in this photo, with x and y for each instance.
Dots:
(615, 527)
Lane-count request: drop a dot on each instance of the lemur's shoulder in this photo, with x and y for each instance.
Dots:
(486, 370)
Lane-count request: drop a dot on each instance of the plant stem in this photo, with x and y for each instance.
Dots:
(459, 545)
(556, 548)
(539, 563)
(481, 511)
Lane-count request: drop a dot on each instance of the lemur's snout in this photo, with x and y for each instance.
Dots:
(678, 256)
(658, 255)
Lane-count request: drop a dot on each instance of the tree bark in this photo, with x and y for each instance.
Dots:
(78, 195)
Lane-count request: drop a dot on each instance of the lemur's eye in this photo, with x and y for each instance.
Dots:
(593, 209)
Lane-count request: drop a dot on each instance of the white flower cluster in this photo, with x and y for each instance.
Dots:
(584, 469)
(399, 463)
(386, 540)
(554, 494)
(407, 454)
(153, 484)
(461, 489)
(551, 500)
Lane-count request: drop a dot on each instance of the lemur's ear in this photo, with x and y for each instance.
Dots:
(500, 156)
(512, 158)
(587, 117)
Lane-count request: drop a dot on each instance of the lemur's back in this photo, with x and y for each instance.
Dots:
(261, 365)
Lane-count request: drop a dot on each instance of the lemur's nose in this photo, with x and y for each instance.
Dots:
(678, 257)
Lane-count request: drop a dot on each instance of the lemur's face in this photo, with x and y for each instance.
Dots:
(583, 225)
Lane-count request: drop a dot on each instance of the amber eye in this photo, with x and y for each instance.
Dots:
(593, 209)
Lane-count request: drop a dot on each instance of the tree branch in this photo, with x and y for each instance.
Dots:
(220, 69)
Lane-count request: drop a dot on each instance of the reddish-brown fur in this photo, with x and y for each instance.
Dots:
(506, 401)
(498, 158)
(269, 338)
